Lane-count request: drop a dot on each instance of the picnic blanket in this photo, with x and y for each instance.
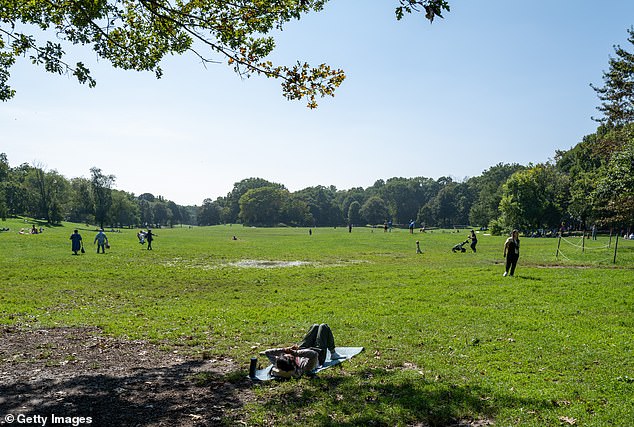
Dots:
(346, 353)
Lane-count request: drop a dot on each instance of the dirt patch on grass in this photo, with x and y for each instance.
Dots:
(253, 263)
(78, 372)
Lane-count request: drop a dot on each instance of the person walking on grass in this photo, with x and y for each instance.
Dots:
(474, 241)
(511, 253)
(76, 242)
(101, 240)
(149, 237)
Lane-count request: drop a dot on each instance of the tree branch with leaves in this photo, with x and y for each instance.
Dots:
(136, 35)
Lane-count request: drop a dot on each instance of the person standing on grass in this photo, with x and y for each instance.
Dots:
(474, 241)
(511, 253)
(76, 242)
(101, 241)
(149, 236)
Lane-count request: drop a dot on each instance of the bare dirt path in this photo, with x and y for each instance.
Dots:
(78, 372)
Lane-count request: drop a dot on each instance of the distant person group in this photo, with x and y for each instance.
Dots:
(33, 230)
(101, 240)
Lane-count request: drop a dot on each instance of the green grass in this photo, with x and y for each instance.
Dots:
(447, 337)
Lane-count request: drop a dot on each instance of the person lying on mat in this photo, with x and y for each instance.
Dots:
(308, 355)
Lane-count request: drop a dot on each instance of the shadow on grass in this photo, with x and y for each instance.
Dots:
(171, 396)
(387, 398)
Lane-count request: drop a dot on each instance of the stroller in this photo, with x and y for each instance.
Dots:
(459, 247)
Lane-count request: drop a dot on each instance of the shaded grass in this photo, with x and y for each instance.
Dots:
(447, 338)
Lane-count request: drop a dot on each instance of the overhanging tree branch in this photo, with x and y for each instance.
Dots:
(138, 34)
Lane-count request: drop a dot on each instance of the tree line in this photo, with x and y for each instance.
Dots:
(34, 191)
(592, 183)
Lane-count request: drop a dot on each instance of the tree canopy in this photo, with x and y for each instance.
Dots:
(137, 35)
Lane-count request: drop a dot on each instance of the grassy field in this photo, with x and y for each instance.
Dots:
(447, 337)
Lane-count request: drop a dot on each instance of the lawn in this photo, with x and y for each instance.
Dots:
(447, 339)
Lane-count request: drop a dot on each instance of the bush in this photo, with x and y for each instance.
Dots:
(496, 227)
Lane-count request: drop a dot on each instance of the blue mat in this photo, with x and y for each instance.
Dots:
(346, 353)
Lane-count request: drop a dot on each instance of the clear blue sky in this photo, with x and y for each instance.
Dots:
(495, 81)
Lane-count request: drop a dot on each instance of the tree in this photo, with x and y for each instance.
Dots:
(39, 184)
(615, 190)
(617, 94)
(232, 201)
(4, 182)
(49, 191)
(124, 210)
(81, 208)
(18, 193)
(534, 198)
(487, 189)
(101, 186)
(591, 170)
(136, 35)
(209, 213)
(448, 207)
(403, 198)
(146, 212)
(295, 211)
(322, 204)
(58, 193)
(346, 197)
(580, 203)
(354, 213)
(162, 214)
(262, 206)
(177, 216)
(147, 196)
(425, 215)
(374, 210)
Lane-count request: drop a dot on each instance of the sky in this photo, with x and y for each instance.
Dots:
(495, 81)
